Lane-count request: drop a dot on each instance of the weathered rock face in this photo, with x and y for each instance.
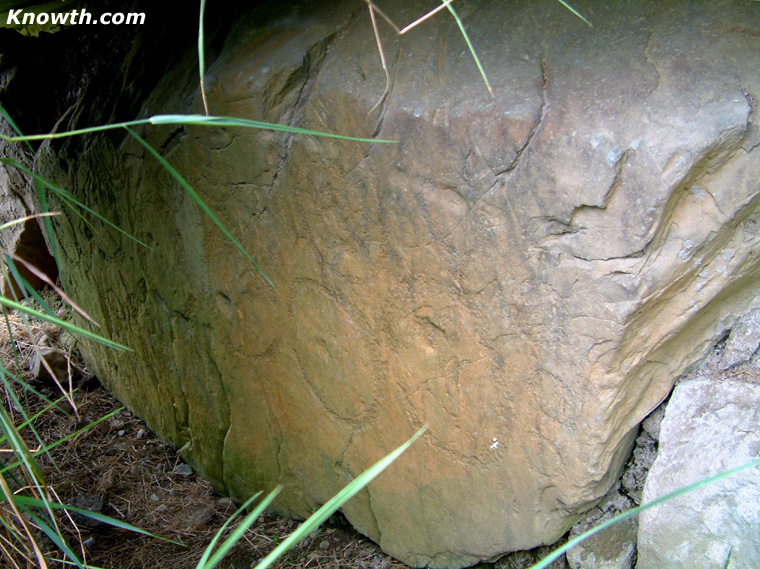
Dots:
(23, 240)
(710, 426)
(526, 273)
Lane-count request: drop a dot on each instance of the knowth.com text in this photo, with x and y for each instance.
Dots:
(21, 17)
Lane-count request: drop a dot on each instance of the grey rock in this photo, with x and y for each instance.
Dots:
(183, 470)
(653, 421)
(197, 517)
(89, 502)
(528, 558)
(56, 361)
(709, 427)
(637, 469)
(743, 341)
(611, 548)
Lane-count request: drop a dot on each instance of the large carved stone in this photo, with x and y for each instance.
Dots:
(526, 274)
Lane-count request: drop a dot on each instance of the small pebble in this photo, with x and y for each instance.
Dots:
(89, 502)
(183, 470)
(225, 502)
(135, 470)
(89, 542)
(154, 498)
(122, 433)
(141, 433)
(162, 508)
(324, 544)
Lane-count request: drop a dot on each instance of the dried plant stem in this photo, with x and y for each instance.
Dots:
(373, 8)
(387, 90)
(38, 554)
(202, 58)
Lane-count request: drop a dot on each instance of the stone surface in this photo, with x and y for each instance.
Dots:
(527, 559)
(709, 426)
(743, 342)
(24, 240)
(57, 365)
(641, 460)
(653, 422)
(91, 503)
(525, 273)
(611, 548)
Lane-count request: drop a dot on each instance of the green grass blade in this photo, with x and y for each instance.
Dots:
(239, 531)
(14, 348)
(55, 536)
(24, 385)
(75, 132)
(233, 121)
(39, 485)
(574, 11)
(472, 49)
(207, 553)
(30, 502)
(18, 447)
(7, 117)
(334, 503)
(47, 448)
(635, 511)
(27, 290)
(69, 200)
(86, 566)
(728, 559)
(193, 120)
(198, 200)
(33, 472)
(63, 324)
(27, 421)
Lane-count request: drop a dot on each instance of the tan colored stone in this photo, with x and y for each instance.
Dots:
(527, 274)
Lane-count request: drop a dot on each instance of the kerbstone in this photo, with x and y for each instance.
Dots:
(526, 273)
